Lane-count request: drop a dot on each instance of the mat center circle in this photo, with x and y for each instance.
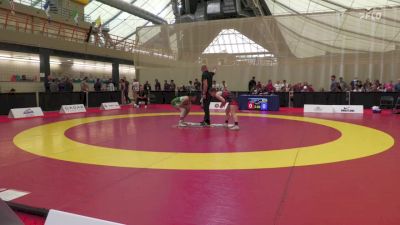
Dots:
(159, 134)
(355, 142)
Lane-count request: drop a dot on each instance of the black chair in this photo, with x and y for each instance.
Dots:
(396, 108)
(386, 102)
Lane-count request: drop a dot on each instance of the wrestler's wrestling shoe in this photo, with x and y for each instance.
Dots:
(182, 124)
(204, 124)
(236, 127)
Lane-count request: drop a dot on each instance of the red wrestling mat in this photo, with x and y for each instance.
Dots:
(31, 220)
(363, 191)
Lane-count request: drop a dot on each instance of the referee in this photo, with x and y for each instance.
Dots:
(206, 81)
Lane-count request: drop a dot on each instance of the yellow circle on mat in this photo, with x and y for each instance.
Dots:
(355, 142)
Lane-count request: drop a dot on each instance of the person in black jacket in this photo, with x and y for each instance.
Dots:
(206, 79)
(69, 87)
(147, 87)
(97, 85)
(157, 86)
(252, 84)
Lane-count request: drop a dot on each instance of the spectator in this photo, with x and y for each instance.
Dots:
(183, 88)
(216, 86)
(224, 86)
(53, 85)
(353, 83)
(135, 89)
(334, 87)
(191, 87)
(258, 85)
(147, 87)
(310, 88)
(285, 86)
(97, 85)
(297, 87)
(381, 88)
(12, 91)
(167, 87)
(126, 91)
(61, 85)
(84, 85)
(141, 97)
(47, 84)
(110, 85)
(157, 85)
(269, 87)
(197, 84)
(307, 88)
(172, 86)
(367, 85)
(122, 88)
(278, 86)
(359, 86)
(69, 87)
(397, 86)
(389, 87)
(252, 84)
(343, 85)
(84, 89)
(376, 86)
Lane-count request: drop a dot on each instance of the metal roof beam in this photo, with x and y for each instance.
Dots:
(134, 10)
(134, 32)
(116, 15)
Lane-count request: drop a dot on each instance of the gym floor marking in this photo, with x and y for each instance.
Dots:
(355, 142)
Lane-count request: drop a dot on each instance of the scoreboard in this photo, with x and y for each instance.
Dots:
(257, 104)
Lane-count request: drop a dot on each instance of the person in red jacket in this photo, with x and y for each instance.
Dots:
(269, 87)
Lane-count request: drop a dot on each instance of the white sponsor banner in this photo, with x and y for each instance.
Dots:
(333, 109)
(25, 112)
(348, 109)
(56, 217)
(110, 106)
(317, 108)
(11, 194)
(68, 109)
(216, 107)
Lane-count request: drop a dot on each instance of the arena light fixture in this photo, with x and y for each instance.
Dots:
(87, 65)
(30, 60)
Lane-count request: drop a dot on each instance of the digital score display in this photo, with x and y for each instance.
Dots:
(257, 104)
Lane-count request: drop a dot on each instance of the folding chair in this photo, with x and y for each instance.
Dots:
(396, 108)
(386, 102)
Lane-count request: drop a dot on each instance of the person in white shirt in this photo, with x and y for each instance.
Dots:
(224, 86)
(191, 87)
(110, 86)
(135, 89)
(217, 86)
(285, 86)
(278, 86)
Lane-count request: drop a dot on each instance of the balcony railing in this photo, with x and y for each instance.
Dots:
(30, 24)
(39, 4)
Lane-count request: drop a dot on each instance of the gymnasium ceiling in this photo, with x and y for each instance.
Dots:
(319, 27)
(284, 7)
(123, 24)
